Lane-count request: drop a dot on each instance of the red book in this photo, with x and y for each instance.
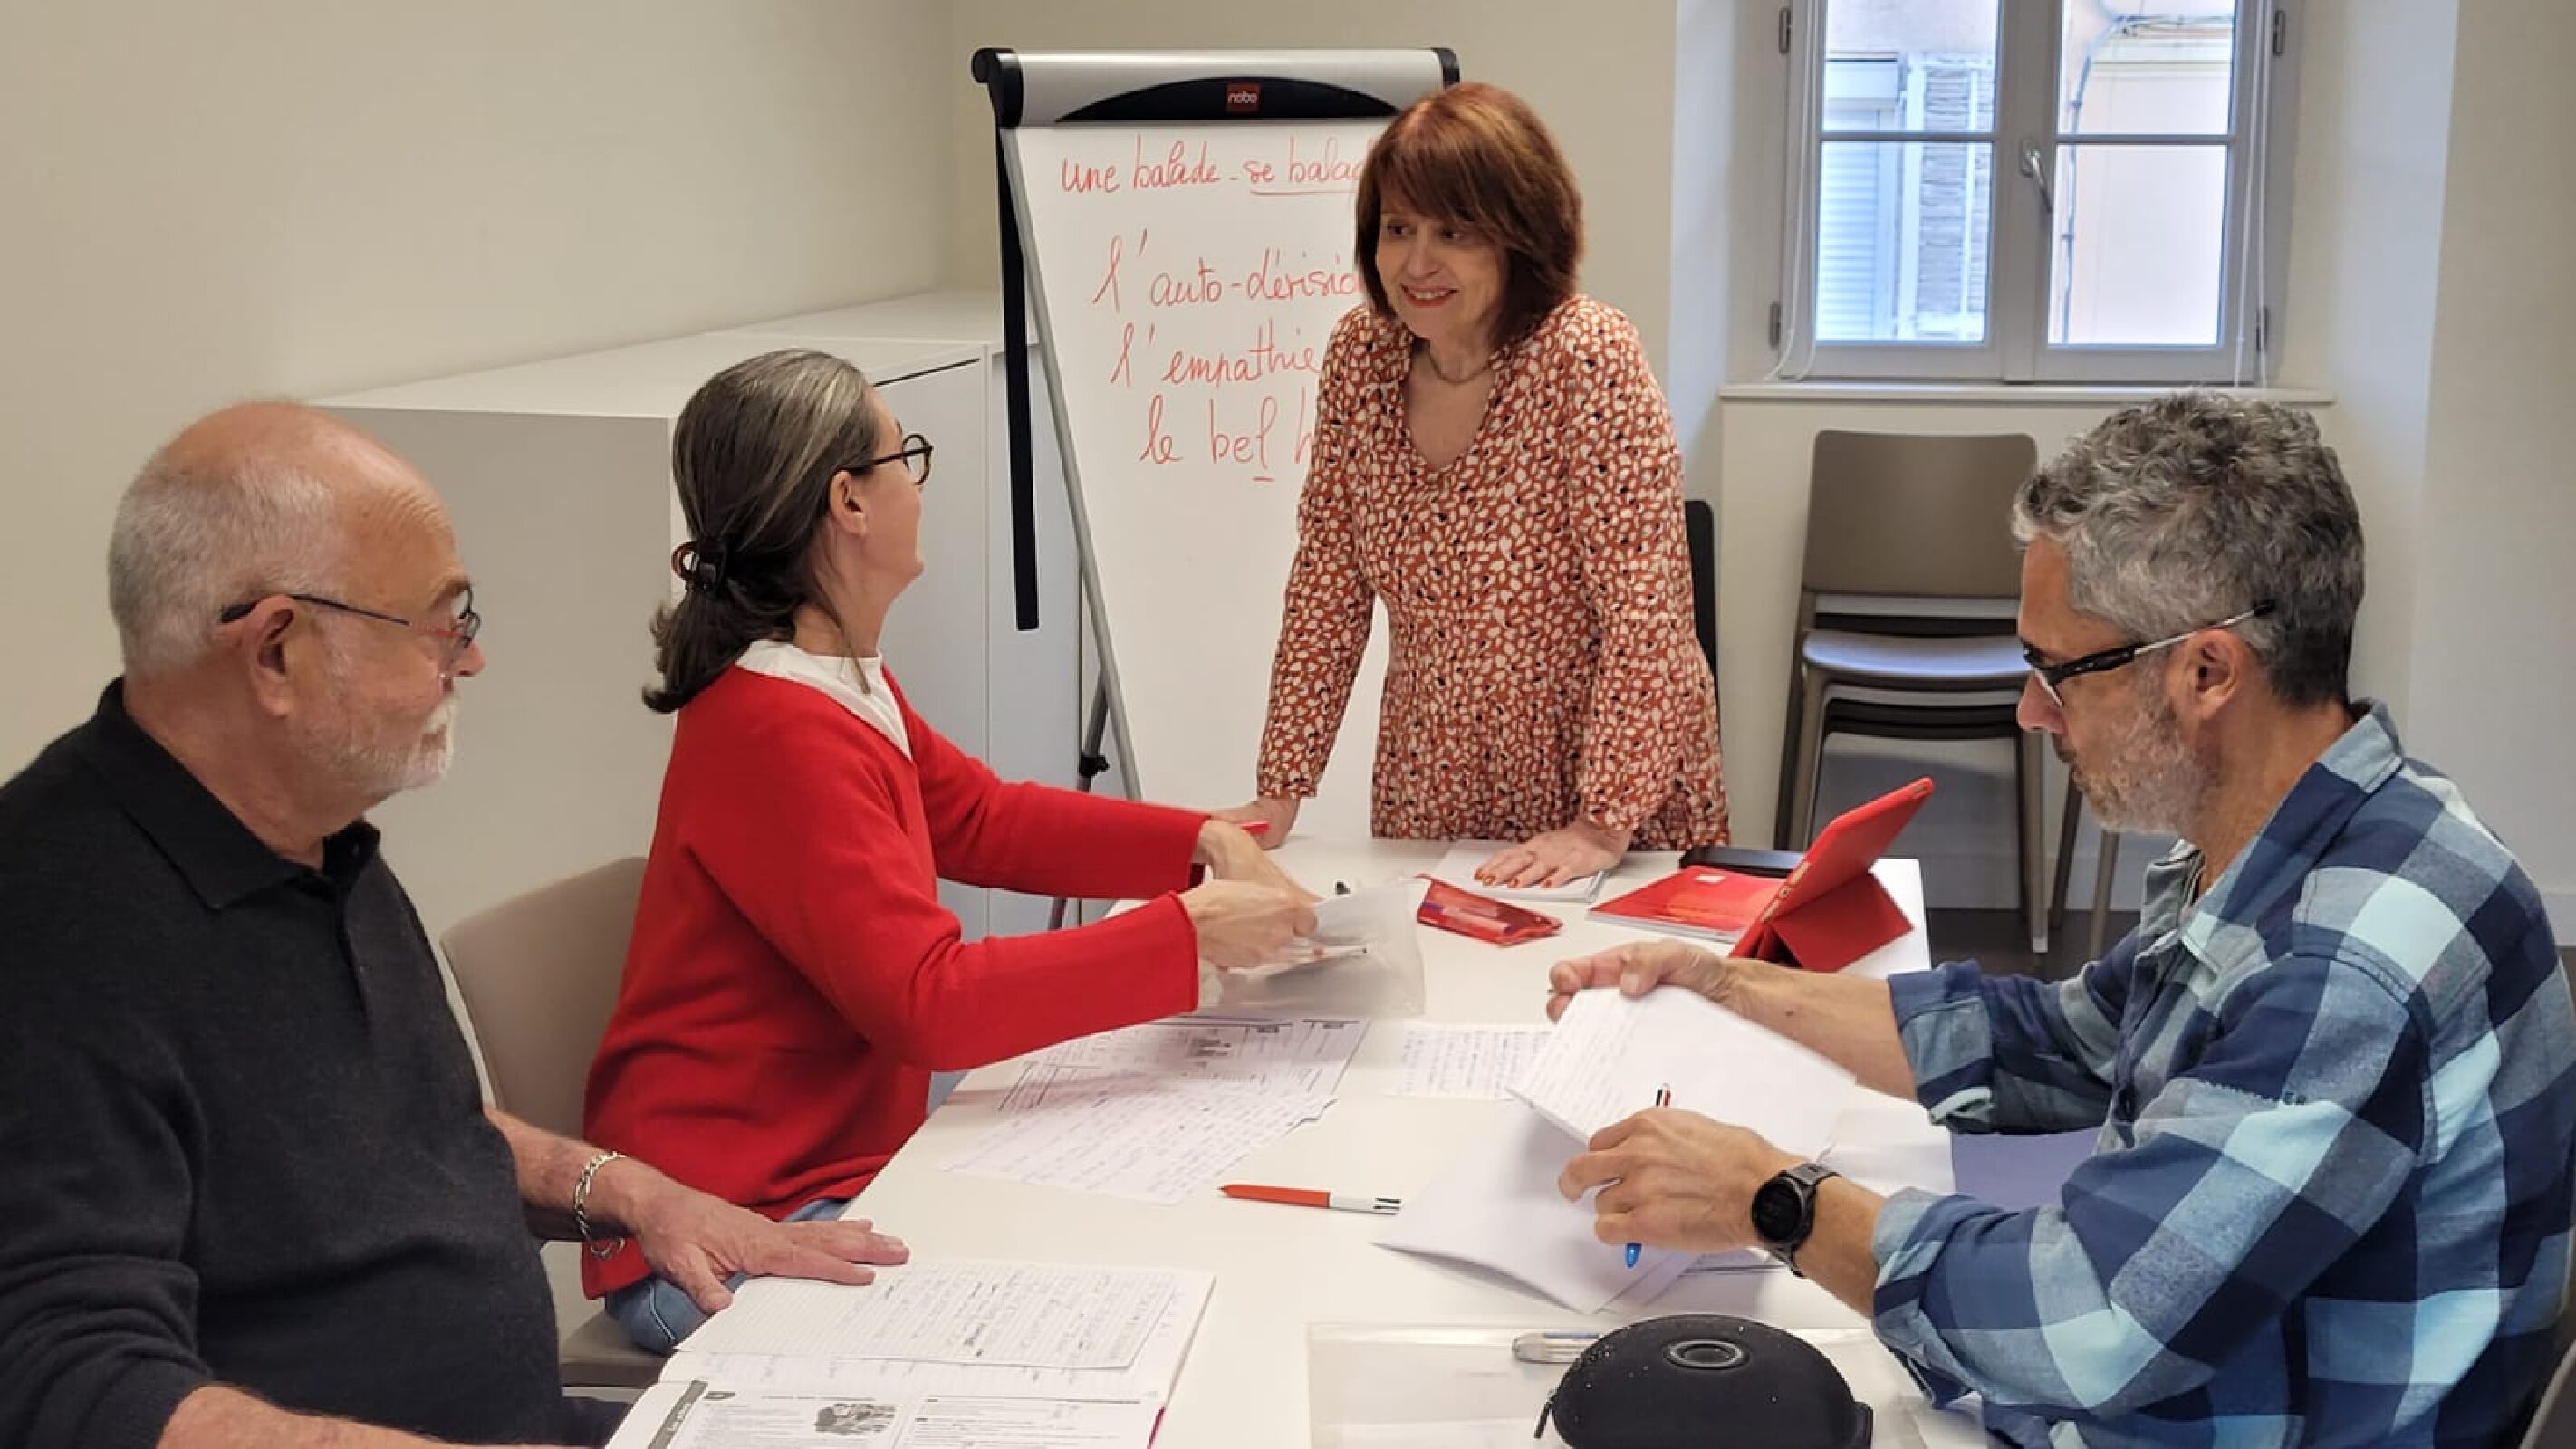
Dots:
(1829, 913)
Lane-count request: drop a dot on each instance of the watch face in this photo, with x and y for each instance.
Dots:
(1775, 1211)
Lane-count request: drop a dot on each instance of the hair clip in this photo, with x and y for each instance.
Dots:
(701, 564)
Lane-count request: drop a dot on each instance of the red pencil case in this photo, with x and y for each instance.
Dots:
(1447, 908)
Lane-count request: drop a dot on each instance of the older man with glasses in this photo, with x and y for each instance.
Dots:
(250, 1192)
(2332, 1073)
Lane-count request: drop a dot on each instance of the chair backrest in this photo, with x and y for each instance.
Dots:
(2553, 1419)
(1699, 525)
(1920, 514)
(539, 976)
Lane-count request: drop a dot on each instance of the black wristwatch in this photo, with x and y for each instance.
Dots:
(1784, 1211)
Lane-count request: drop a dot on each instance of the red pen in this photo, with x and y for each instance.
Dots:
(1255, 827)
(1310, 1197)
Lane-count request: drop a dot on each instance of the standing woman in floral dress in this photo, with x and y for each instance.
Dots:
(1494, 461)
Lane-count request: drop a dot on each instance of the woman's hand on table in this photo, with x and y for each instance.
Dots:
(1637, 968)
(1578, 850)
(1276, 814)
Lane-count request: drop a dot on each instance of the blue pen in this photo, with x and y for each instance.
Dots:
(1663, 1098)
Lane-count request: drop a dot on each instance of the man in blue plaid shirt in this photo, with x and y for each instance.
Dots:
(2332, 1073)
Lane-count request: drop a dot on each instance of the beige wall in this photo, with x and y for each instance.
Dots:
(203, 202)
(2375, 141)
(2494, 677)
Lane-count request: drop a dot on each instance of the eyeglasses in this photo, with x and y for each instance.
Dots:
(455, 636)
(2050, 676)
(914, 455)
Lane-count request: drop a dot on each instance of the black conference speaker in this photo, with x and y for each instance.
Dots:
(1704, 1380)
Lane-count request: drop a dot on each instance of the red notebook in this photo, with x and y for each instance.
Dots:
(1829, 913)
(1696, 900)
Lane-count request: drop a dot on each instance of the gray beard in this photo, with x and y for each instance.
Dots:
(2147, 781)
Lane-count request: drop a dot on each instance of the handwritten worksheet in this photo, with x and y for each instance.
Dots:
(1465, 1061)
(1151, 1138)
(1301, 1057)
(1610, 1053)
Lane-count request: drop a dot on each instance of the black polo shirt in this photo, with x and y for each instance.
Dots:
(240, 1136)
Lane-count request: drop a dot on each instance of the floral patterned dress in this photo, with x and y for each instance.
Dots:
(1541, 663)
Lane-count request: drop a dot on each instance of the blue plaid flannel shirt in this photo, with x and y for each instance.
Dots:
(2330, 1199)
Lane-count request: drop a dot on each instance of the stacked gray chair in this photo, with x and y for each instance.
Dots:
(1905, 619)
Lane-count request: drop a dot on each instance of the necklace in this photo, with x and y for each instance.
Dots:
(1470, 375)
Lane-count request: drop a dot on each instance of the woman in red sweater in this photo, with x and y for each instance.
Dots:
(793, 980)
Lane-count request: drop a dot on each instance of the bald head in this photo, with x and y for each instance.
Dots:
(257, 499)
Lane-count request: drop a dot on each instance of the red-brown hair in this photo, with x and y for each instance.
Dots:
(1476, 156)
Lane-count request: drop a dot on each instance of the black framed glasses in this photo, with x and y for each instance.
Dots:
(455, 635)
(914, 455)
(2050, 676)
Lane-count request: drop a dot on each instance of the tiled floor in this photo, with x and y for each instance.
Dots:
(1997, 940)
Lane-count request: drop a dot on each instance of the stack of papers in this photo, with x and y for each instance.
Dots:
(1497, 1206)
(1459, 866)
(1162, 1112)
(1610, 1054)
(930, 1356)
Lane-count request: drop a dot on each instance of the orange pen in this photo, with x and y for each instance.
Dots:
(1311, 1197)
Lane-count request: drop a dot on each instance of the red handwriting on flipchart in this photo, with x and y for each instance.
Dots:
(1082, 177)
(1182, 165)
(1221, 338)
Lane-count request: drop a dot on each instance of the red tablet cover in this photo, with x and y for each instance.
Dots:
(1831, 911)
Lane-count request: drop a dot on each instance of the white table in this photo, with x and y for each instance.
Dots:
(1280, 1269)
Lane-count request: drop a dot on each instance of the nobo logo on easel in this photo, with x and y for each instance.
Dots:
(1242, 97)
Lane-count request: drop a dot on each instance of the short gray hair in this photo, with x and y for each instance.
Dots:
(187, 544)
(2196, 507)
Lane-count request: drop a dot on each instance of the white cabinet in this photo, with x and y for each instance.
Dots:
(557, 475)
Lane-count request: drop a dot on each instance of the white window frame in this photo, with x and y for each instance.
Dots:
(2253, 260)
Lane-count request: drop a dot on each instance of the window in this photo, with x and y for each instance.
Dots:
(2032, 190)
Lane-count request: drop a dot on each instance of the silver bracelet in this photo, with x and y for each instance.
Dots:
(597, 1248)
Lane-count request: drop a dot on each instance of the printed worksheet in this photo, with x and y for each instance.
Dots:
(964, 1311)
(1465, 1061)
(698, 1415)
(1149, 1375)
(1302, 1057)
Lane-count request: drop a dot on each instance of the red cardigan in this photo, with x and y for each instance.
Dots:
(793, 979)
